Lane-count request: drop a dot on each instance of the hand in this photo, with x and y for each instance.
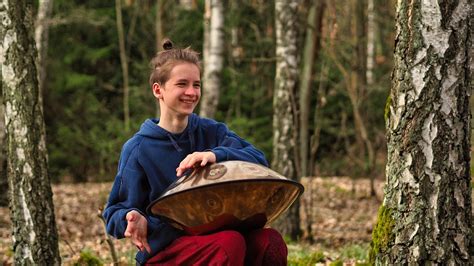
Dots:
(137, 230)
(195, 159)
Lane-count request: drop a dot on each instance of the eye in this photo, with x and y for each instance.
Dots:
(181, 84)
(197, 86)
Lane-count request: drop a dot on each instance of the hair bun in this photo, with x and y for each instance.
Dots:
(167, 44)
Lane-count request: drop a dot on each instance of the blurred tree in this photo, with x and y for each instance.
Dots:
(285, 154)
(159, 34)
(124, 64)
(352, 67)
(311, 51)
(371, 28)
(3, 157)
(213, 58)
(35, 240)
(41, 39)
(426, 213)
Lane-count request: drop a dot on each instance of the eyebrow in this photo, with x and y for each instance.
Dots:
(185, 80)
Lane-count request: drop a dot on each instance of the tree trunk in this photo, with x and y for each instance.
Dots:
(213, 63)
(426, 215)
(35, 240)
(41, 39)
(3, 157)
(159, 30)
(284, 113)
(311, 52)
(370, 43)
(124, 64)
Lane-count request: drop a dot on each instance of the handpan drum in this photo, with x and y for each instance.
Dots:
(229, 195)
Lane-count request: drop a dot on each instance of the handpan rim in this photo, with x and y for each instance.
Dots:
(165, 196)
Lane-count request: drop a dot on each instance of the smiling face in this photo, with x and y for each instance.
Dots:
(181, 92)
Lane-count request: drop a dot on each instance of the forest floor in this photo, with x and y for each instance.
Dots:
(343, 214)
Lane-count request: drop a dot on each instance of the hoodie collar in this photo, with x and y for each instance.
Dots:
(151, 129)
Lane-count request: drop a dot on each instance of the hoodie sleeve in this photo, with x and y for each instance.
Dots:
(232, 147)
(130, 192)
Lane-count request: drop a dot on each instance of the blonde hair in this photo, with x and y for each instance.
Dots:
(164, 61)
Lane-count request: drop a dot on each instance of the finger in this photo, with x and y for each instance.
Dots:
(196, 158)
(147, 246)
(204, 161)
(127, 234)
(179, 172)
(182, 166)
(138, 244)
(185, 161)
(131, 216)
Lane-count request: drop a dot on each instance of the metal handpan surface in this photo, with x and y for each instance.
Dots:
(229, 195)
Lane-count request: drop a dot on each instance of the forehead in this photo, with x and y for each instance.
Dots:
(186, 71)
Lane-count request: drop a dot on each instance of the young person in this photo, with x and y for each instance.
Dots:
(161, 151)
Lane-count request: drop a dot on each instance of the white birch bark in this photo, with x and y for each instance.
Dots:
(284, 103)
(32, 212)
(213, 58)
(426, 214)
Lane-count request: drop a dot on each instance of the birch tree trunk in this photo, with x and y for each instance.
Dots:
(123, 63)
(284, 105)
(213, 62)
(35, 240)
(426, 218)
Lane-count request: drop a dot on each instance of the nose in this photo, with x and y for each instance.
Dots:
(190, 90)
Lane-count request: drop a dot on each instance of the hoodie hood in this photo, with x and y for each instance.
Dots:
(151, 129)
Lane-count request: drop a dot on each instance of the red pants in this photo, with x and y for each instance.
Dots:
(258, 247)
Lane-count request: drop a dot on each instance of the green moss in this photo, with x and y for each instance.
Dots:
(387, 108)
(88, 259)
(382, 234)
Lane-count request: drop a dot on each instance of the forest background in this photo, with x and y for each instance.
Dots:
(83, 91)
(87, 120)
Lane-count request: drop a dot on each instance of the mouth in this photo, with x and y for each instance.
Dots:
(188, 101)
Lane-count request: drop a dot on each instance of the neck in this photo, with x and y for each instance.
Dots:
(174, 124)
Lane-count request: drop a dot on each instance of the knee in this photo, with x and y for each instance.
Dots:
(233, 243)
(276, 252)
(268, 237)
(276, 240)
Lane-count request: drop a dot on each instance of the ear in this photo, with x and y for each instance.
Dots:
(156, 88)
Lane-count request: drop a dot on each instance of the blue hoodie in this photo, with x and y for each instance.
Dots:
(148, 165)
